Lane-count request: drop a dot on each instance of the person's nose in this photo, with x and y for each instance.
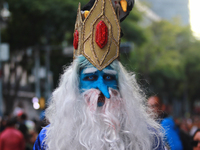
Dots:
(103, 87)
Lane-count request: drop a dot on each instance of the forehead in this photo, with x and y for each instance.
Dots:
(153, 100)
(197, 136)
(107, 70)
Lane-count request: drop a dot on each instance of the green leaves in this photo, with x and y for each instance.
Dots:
(132, 30)
(34, 20)
(169, 60)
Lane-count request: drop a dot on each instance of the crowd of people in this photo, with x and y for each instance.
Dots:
(18, 132)
(180, 133)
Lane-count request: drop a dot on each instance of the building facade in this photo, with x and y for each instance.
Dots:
(170, 9)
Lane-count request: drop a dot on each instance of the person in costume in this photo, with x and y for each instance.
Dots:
(98, 105)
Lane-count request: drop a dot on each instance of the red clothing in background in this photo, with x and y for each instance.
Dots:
(11, 139)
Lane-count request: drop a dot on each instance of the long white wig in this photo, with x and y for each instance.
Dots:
(126, 127)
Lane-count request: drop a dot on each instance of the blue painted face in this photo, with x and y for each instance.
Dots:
(93, 78)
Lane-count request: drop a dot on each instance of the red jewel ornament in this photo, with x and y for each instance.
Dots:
(75, 42)
(101, 37)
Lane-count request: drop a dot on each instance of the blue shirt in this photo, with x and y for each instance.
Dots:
(171, 134)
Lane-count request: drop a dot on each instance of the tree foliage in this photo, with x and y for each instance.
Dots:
(40, 22)
(169, 61)
(132, 30)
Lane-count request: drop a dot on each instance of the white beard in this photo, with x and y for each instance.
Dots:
(102, 125)
(91, 127)
(77, 123)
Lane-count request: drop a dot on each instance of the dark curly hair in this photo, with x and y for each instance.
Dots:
(198, 130)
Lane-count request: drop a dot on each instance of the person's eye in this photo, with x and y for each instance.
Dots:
(109, 77)
(90, 78)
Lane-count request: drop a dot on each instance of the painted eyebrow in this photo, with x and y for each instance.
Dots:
(109, 71)
(89, 70)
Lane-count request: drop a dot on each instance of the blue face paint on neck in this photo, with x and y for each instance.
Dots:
(92, 78)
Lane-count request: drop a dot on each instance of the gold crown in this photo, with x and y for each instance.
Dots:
(97, 37)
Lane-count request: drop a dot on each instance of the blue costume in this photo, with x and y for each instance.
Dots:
(40, 145)
(171, 134)
(102, 80)
(98, 40)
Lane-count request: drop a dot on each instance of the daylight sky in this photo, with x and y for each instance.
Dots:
(194, 6)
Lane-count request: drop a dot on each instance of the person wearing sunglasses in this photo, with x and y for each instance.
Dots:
(196, 140)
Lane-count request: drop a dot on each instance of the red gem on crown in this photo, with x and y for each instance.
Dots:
(75, 42)
(101, 37)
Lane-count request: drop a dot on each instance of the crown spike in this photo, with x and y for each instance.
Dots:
(98, 34)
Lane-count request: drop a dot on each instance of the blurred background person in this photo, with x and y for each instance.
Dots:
(3, 122)
(11, 138)
(22, 126)
(195, 125)
(196, 140)
(27, 127)
(157, 107)
(172, 137)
